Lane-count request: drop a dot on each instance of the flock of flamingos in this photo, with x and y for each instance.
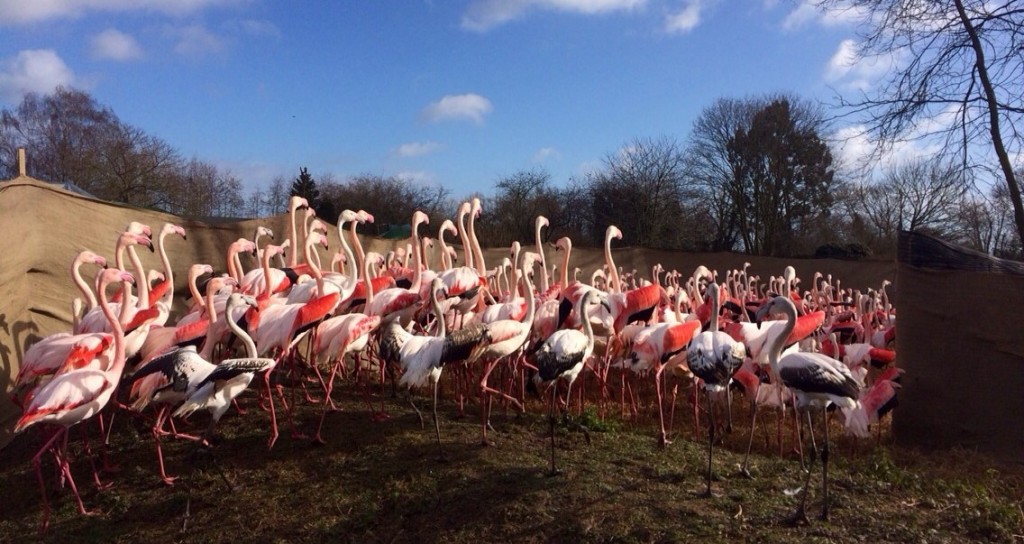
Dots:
(291, 322)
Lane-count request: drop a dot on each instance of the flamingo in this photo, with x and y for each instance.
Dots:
(423, 357)
(95, 320)
(77, 395)
(507, 336)
(562, 356)
(816, 380)
(655, 346)
(163, 292)
(230, 378)
(713, 356)
(44, 357)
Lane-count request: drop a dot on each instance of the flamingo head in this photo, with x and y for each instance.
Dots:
(135, 227)
(92, 258)
(237, 299)
(613, 232)
(346, 216)
(418, 218)
(318, 226)
(271, 250)
(449, 226)
(365, 217)
(264, 231)
(543, 221)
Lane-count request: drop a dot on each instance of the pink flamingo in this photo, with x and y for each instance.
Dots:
(77, 395)
(507, 337)
(44, 357)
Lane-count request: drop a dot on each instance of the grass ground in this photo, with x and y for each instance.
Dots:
(382, 482)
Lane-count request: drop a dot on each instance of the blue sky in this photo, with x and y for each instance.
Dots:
(452, 92)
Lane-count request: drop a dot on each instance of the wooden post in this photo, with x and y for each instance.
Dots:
(21, 162)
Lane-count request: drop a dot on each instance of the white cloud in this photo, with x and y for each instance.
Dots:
(113, 44)
(847, 69)
(482, 15)
(197, 41)
(32, 11)
(855, 148)
(417, 149)
(32, 70)
(842, 60)
(686, 19)
(459, 106)
(546, 153)
(807, 12)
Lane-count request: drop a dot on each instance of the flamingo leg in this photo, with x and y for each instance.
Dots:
(824, 468)
(750, 441)
(551, 427)
(273, 414)
(92, 461)
(65, 467)
(800, 516)
(485, 404)
(437, 426)
(37, 465)
(663, 439)
(159, 450)
(711, 441)
(329, 387)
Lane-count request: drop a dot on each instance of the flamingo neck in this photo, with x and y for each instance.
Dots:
(530, 302)
(478, 253)
(368, 282)
(83, 287)
(543, 261)
(357, 245)
(211, 309)
(715, 308)
(314, 266)
(250, 345)
(293, 258)
(266, 274)
(193, 276)
(417, 258)
(168, 272)
(565, 263)
(513, 283)
(467, 247)
(140, 272)
(442, 327)
(777, 343)
(613, 271)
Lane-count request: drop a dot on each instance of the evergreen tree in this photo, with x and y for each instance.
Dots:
(305, 186)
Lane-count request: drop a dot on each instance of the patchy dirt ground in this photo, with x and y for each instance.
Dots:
(381, 481)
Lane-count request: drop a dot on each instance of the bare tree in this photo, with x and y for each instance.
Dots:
(135, 168)
(60, 130)
(390, 199)
(708, 169)
(511, 213)
(924, 195)
(957, 81)
(640, 190)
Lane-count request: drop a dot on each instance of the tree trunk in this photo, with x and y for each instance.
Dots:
(993, 115)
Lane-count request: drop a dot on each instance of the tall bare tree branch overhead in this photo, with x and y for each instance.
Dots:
(958, 81)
